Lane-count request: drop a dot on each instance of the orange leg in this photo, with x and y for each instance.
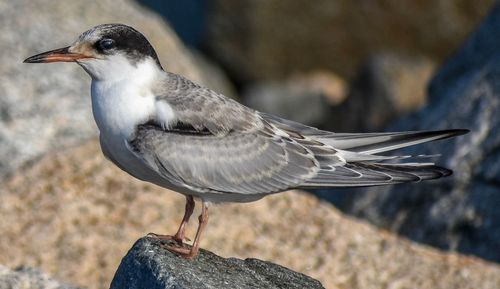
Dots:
(193, 252)
(179, 236)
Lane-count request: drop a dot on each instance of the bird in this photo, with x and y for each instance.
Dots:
(165, 129)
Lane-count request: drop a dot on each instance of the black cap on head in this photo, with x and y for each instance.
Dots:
(112, 38)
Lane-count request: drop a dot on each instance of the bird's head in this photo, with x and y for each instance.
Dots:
(107, 50)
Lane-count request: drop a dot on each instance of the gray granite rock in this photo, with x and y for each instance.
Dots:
(28, 278)
(460, 212)
(45, 107)
(148, 265)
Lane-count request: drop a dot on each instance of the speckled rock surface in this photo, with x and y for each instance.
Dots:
(75, 215)
(148, 265)
(45, 107)
(28, 278)
(460, 213)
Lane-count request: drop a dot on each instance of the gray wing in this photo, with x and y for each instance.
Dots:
(258, 163)
(218, 144)
(221, 145)
(243, 163)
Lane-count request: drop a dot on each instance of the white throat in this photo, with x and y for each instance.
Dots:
(122, 95)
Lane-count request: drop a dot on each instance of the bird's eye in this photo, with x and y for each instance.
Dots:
(106, 44)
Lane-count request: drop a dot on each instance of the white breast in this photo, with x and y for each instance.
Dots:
(123, 99)
(119, 107)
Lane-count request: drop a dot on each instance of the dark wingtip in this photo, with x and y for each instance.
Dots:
(441, 172)
(457, 132)
(449, 133)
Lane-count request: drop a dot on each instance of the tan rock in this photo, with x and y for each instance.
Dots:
(75, 215)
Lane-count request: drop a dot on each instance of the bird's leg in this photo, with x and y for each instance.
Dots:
(193, 252)
(179, 236)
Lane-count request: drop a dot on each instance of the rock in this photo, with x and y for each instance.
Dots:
(268, 40)
(459, 213)
(148, 265)
(28, 278)
(306, 98)
(187, 18)
(46, 107)
(388, 86)
(212, 75)
(74, 215)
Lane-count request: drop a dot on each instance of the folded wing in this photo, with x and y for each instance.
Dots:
(243, 163)
(218, 145)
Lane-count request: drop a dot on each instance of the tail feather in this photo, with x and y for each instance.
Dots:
(367, 143)
(377, 174)
(360, 163)
(373, 143)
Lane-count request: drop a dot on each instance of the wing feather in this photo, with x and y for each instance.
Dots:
(367, 143)
(219, 145)
(236, 163)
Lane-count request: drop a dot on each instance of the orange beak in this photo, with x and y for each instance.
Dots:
(56, 55)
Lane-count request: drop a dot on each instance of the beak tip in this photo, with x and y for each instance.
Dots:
(33, 59)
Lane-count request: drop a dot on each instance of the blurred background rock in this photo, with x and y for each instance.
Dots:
(45, 107)
(386, 49)
(340, 65)
(458, 213)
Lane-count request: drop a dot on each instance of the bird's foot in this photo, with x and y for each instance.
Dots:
(183, 252)
(175, 245)
(174, 238)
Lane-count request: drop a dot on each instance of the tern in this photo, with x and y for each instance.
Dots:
(162, 128)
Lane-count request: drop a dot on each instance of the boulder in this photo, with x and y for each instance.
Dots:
(268, 40)
(46, 107)
(459, 213)
(75, 215)
(385, 88)
(28, 278)
(148, 265)
(307, 98)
